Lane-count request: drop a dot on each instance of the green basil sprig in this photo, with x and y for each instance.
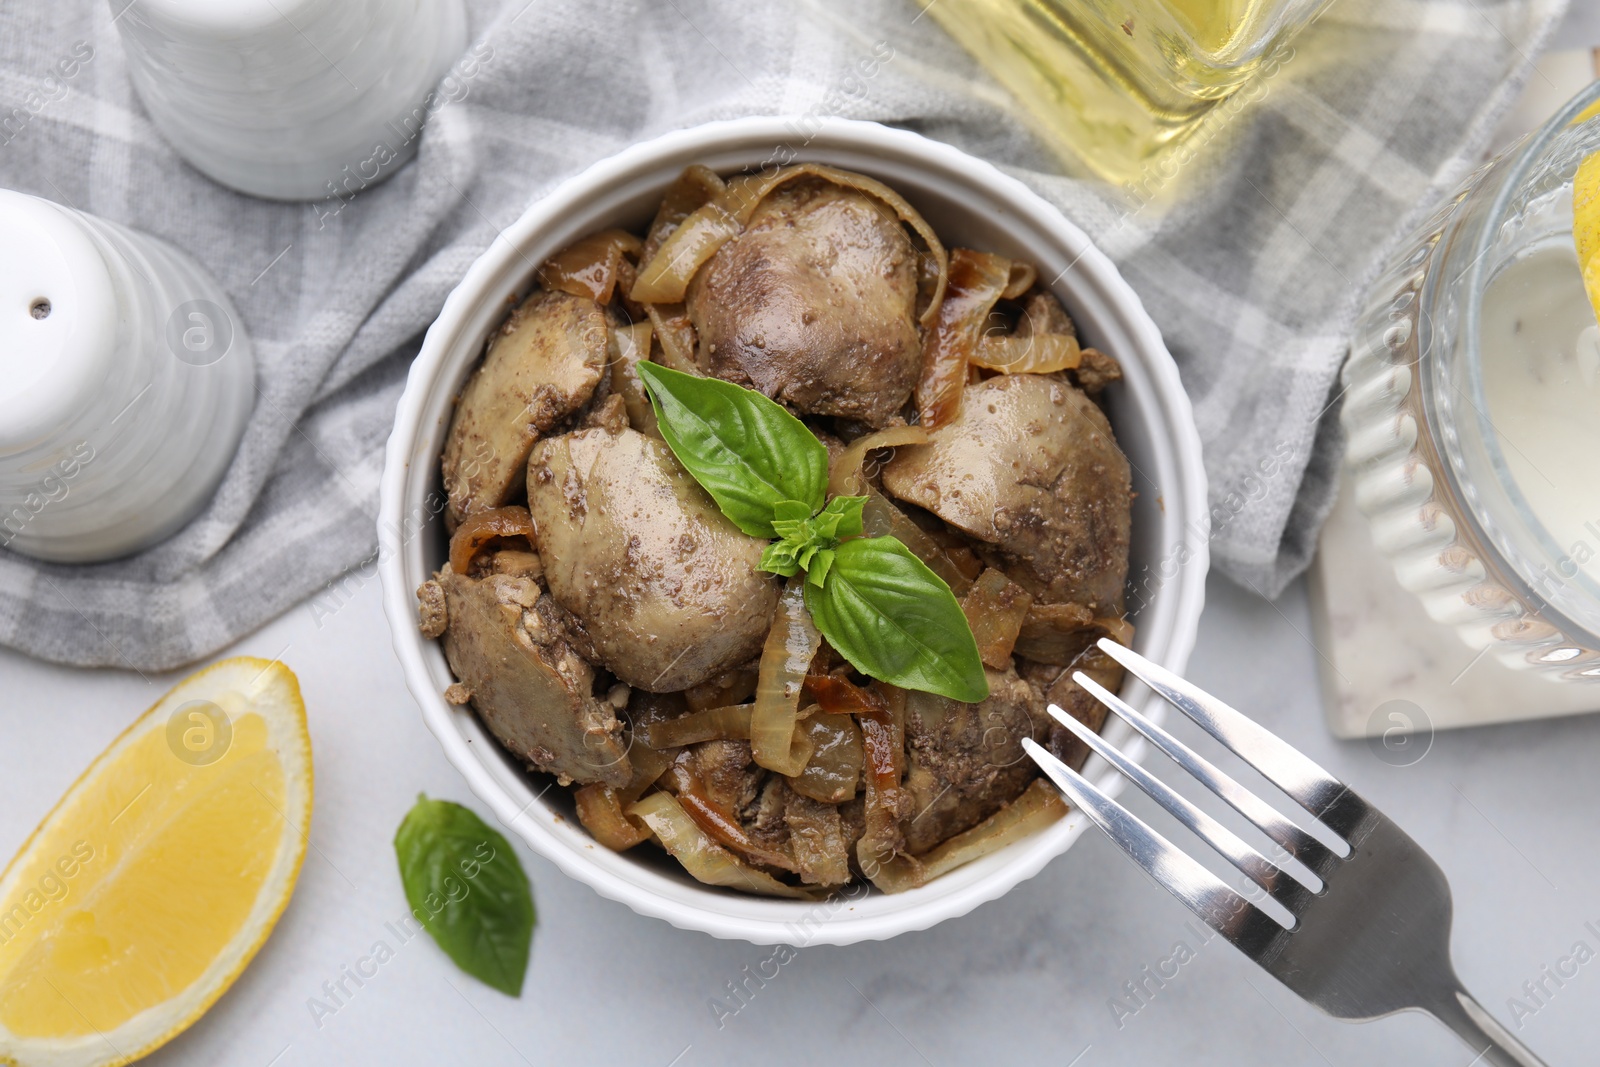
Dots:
(749, 457)
(462, 879)
(877, 604)
(808, 541)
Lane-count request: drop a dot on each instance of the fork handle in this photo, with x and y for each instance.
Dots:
(1482, 1032)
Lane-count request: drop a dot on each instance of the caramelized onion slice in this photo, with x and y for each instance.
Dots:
(675, 336)
(589, 267)
(1118, 629)
(1039, 353)
(478, 530)
(883, 744)
(648, 765)
(694, 187)
(601, 813)
(1037, 807)
(729, 723)
(701, 856)
(995, 607)
(966, 561)
(836, 759)
(683, 781)
(835, 696)
(1059, 633)
(976, 281)
(1020, 280)
(791, 643)
(603, 810)
(665, 277)
(1057, 618)
(725, 830)
(627, 347)
(845, 476)
(817, 839)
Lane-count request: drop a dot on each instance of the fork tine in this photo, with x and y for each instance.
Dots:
(1209, 897)
(1291, 838)
(1251, 863)
(1313, 788)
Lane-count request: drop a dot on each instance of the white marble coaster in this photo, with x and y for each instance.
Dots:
(1385, 665)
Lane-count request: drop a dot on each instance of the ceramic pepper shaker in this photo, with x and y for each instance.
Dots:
(126, 379)
(290, 99)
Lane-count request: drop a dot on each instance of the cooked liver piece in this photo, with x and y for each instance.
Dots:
(773, 815)
(1043, 313)
(965, 761)
(542, 366)
(814, 304)
(1029, 467)
(664, 587)
(1057, 686)
(432, 617)
(531, 690)
(730, 775)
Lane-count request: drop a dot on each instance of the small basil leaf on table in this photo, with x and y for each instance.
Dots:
(464, 882)
(745, 450)
(883, 610)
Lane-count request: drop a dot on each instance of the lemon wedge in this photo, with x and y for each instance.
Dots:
(1586, 225)
(143, 895)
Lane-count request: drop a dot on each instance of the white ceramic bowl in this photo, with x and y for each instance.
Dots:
(969, 203)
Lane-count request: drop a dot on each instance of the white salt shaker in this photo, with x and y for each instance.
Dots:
(126, 379)
(291, 99)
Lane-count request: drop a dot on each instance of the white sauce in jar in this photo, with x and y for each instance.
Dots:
(1540, 349)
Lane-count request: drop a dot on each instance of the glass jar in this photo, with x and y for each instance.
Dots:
(1472, 410)
(1116, 87)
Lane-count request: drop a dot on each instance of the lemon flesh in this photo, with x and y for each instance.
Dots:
(1586, 225)
(151, 885)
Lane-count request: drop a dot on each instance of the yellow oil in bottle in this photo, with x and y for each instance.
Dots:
(1116, 85)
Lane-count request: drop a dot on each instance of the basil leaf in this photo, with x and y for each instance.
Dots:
(745, 450)
(464, 884)
(817, 569)
(848, 510)
(791, 529)
(791, 511)
(897, 621)
(824, 526)
(809, 549)
(779, 558)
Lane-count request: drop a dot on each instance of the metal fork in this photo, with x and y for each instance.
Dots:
(1372, 940)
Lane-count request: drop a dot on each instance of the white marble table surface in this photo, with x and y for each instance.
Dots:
(1509, 812)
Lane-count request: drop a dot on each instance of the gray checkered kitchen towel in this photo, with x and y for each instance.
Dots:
(1253, 277)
